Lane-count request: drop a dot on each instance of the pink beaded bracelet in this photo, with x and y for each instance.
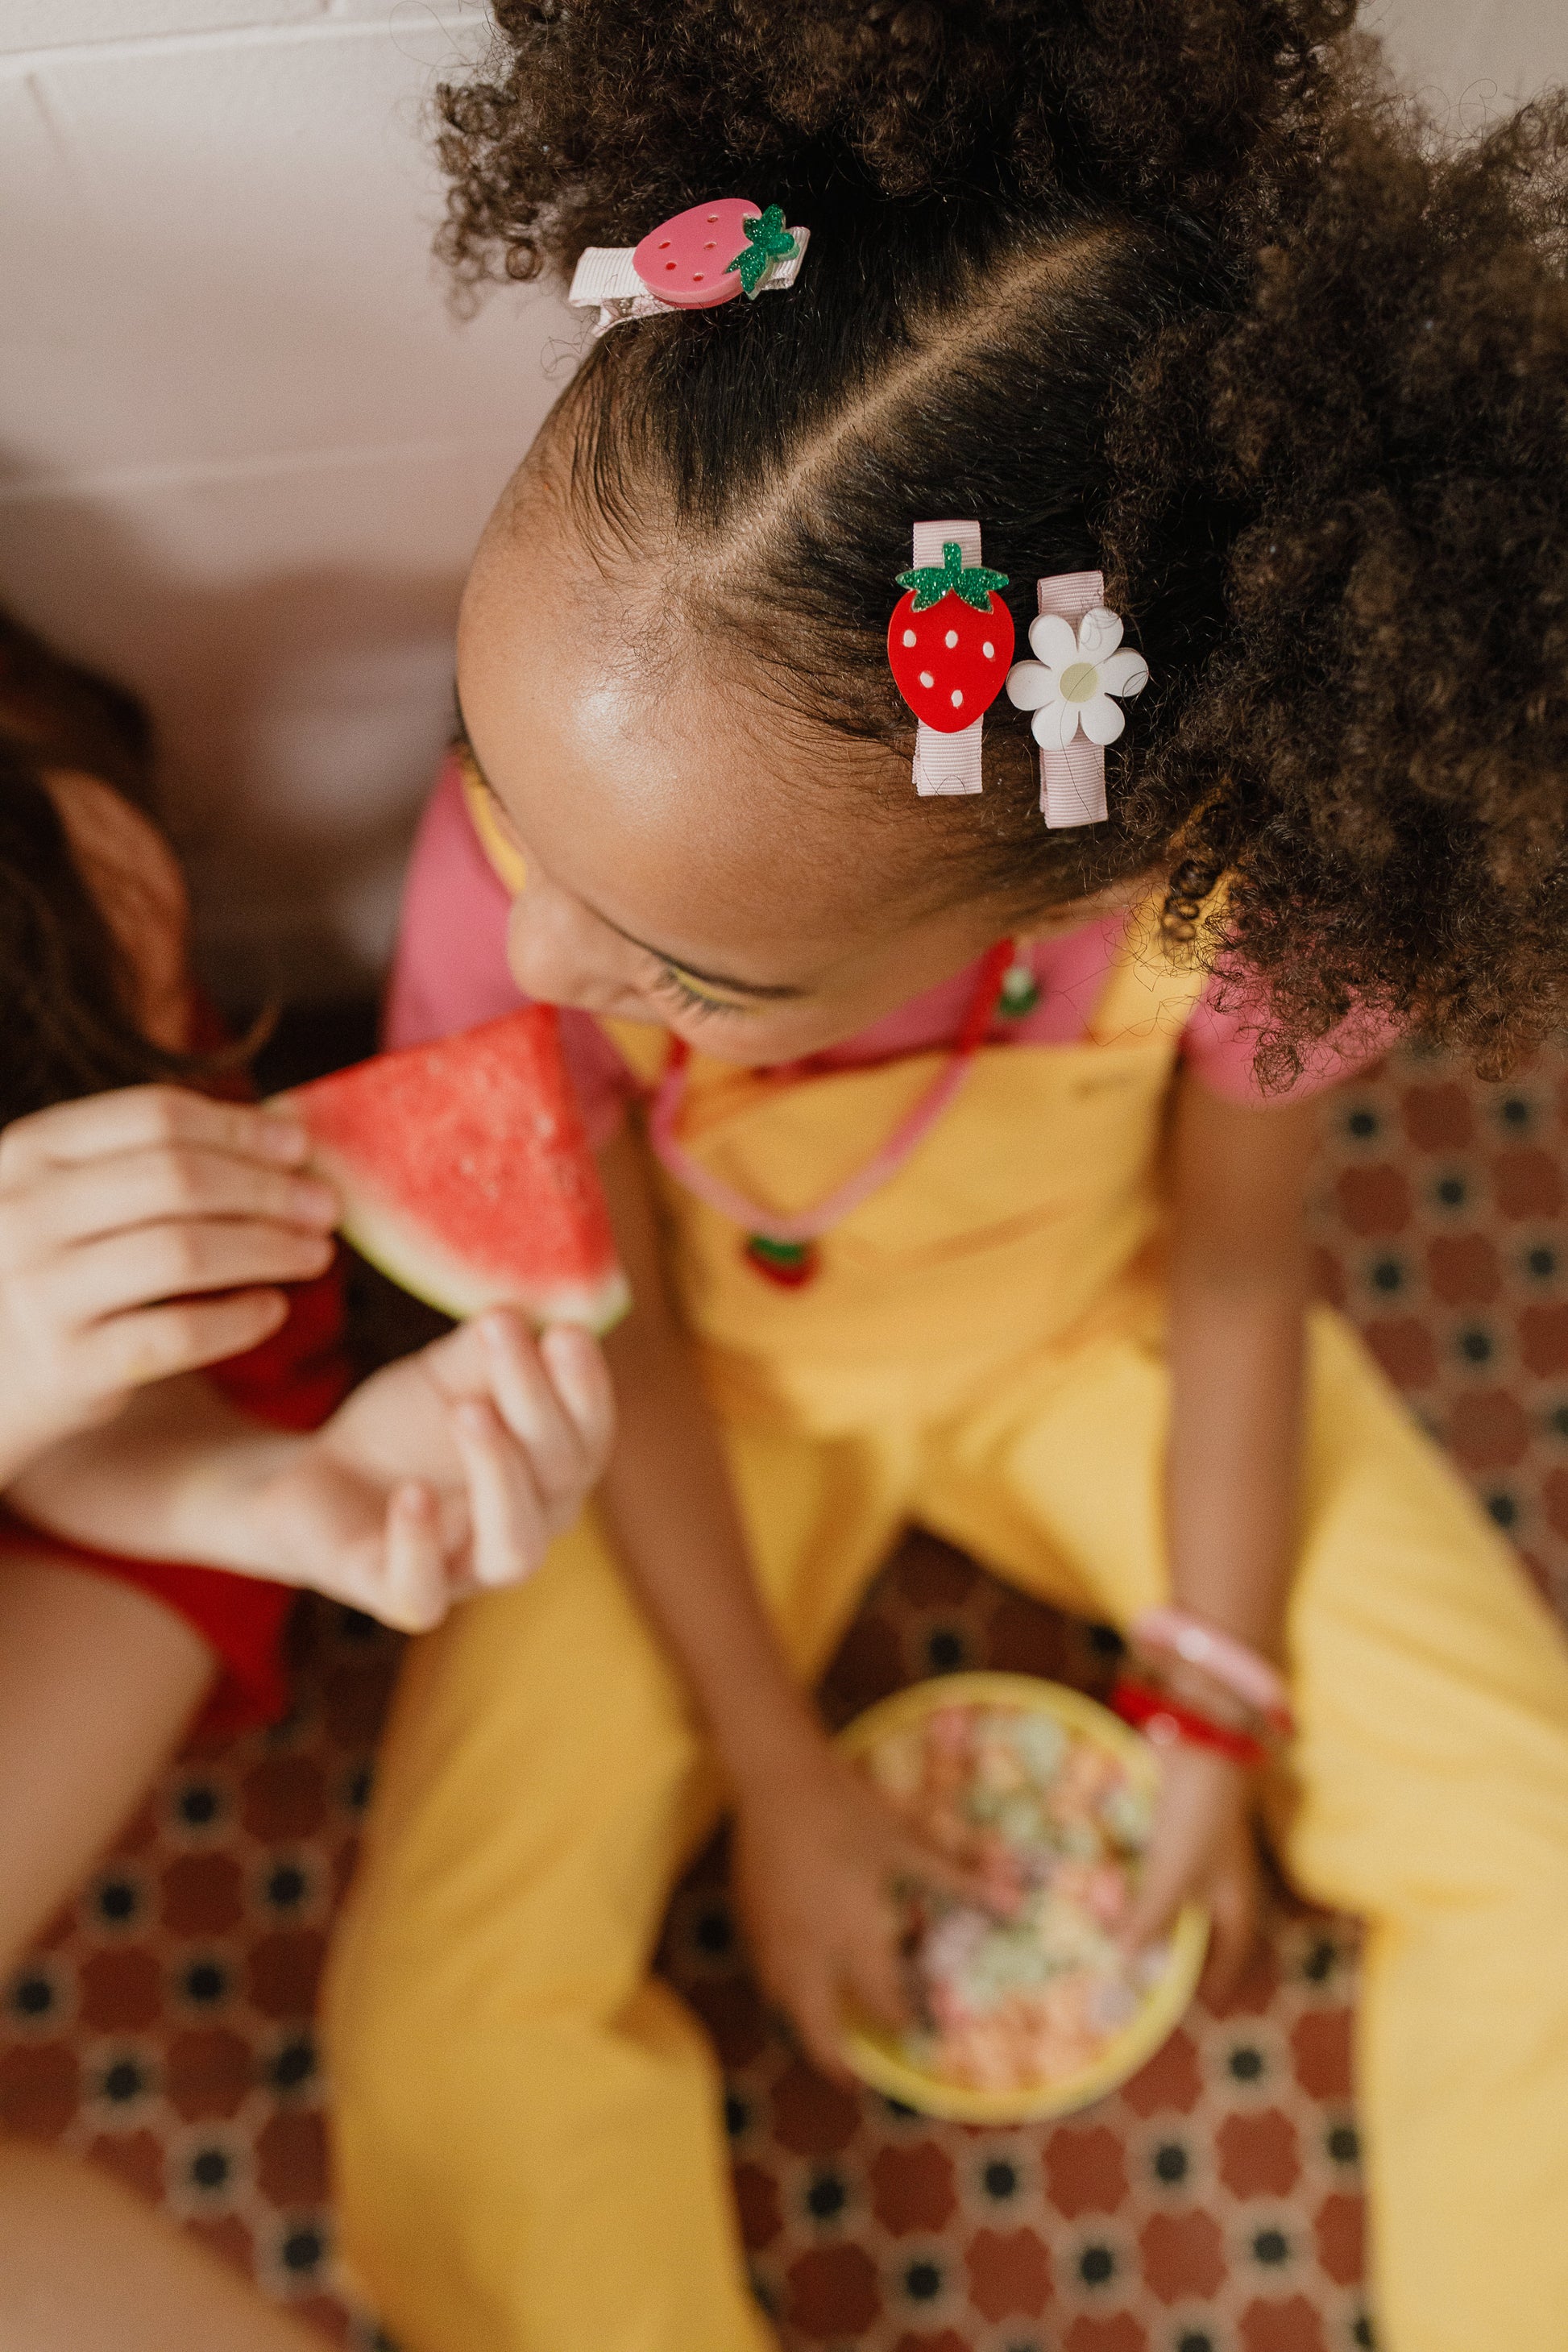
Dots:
(1243, 1671)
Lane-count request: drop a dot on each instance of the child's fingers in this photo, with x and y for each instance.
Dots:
(576, 1362)
(1167, 1882)
(130, 1351)
(534, 1413)
(813, 2004)
(1154, 1909)
(876, 1980)
(974, 1883)
(1201, 1835)
(157, 1263)
(412, 1593)
(181, 1182)
(509, 1534)
(136, 1118)
(1233, 1930)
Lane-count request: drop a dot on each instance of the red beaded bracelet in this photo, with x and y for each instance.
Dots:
(1168, 1724)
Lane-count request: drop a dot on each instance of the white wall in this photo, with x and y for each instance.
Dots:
(244, 449)
(1472, 58)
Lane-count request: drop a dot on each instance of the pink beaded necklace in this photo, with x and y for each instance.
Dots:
(784, 1249)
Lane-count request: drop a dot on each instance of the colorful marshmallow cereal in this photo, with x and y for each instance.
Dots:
(1034, 2007)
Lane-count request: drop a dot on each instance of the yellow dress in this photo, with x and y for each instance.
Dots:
(531, 2155)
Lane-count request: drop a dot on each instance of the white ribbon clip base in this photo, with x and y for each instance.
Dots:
(605, 280)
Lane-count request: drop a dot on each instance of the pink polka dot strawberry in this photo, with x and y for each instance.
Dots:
(950, 640)
(690, 262)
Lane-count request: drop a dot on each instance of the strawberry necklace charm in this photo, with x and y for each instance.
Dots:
(785, 1250)
(950, 640)
(791, 1265)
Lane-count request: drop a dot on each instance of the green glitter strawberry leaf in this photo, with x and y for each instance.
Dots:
(767, 241)
(972, 581)
(791, 1254)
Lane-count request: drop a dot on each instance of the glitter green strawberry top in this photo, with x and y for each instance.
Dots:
(767, 241)
(931, 582)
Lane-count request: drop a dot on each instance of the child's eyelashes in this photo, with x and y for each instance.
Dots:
(672, 983)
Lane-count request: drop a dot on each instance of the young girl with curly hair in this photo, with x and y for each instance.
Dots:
(174, 1400)
(958, 1157)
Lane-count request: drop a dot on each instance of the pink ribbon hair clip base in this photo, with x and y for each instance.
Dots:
(1080, 665)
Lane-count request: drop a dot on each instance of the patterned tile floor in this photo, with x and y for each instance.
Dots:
(1213, 2203)
(163, 2027)
(1440, 1215)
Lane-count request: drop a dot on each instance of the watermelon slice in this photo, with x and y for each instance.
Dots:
(466, 1176)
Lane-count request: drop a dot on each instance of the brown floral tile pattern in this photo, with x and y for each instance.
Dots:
(163, 2027)
(1439, 1212)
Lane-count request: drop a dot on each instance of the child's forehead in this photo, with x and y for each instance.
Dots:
(619, 751)
(689, 844)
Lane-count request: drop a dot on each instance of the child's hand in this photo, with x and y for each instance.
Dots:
(448, 1472)
(117, 1213)
(819, 1862)
(1202, 1850)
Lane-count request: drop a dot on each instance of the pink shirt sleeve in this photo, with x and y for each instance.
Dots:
(1221, 1040)
(449, 969)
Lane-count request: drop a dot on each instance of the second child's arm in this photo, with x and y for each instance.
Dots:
(816, 1853)
(1238, 1288)
(446, 1472)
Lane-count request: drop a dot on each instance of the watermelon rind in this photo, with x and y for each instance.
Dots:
(385, 1238)
(463, 1172)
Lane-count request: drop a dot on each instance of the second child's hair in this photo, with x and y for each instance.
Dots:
(1170, 290)
(69, 1026)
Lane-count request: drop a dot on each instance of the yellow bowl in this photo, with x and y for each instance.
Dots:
(877, 2057)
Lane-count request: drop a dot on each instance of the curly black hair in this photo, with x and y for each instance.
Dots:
(1172, 288)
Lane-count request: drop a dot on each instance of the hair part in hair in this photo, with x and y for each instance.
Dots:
(1178, 293)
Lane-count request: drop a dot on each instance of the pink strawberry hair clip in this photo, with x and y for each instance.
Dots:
(950, 645)
(707, 255)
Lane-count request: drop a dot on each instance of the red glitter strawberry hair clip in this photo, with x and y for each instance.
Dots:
(950, 646)
(949, 641)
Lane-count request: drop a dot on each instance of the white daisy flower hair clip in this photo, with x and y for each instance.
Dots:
(1074, 686)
